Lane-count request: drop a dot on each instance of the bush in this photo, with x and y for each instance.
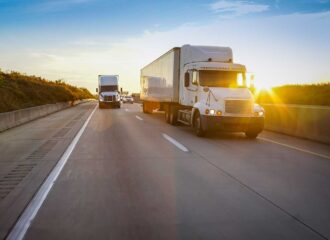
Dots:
(19, 91)
(309, 94)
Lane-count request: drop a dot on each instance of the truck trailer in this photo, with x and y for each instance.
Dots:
(201, 87)
(109, 95)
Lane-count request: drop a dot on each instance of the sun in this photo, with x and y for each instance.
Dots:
(257, 84)
(263, 86)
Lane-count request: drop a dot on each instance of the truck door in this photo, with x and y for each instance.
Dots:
(191, 87)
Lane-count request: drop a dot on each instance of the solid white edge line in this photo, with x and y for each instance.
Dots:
(175, 143)
(22, 225)
(138, 117)
(295, 148)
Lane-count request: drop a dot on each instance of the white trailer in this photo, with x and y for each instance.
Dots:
(109, 91)
(200, 86)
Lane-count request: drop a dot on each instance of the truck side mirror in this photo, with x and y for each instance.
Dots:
(96, 90)
(186, 79)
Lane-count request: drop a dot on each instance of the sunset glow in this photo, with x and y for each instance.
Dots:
(280, 44)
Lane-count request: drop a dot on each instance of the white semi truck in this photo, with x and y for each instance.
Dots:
(200, 86)
(108, 91)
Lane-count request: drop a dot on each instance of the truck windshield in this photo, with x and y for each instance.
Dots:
(226, 79)
(110, 88)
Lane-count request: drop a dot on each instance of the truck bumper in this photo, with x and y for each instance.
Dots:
(109, 104)
(232, 124)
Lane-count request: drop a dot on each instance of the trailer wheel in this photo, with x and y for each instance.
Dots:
(173, 115)
(198, 125)
(251, 134)
(144, 107)
(167, 114)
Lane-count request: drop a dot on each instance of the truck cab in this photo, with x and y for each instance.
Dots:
(218, 92)
(108, 89)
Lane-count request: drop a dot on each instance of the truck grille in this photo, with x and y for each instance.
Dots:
(238, 106)
(109, 98)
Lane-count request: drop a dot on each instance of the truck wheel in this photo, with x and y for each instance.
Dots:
(173, 116)
(167, 115)
(144, 107)
(251, 135)
(198, 125)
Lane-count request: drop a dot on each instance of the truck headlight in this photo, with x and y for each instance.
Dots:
(209, 111)
(259, 111)
(259, 114)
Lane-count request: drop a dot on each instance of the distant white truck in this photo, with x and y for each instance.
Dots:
(200, 86)
(108, 90)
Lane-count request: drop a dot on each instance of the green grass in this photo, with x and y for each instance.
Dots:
(309, 94)
(19, 91)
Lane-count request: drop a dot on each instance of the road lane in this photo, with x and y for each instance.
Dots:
(125, 181)
(295, 148)
(175, 143)
(138, 117)
(28, 153)
(19, 230)
(295, 181)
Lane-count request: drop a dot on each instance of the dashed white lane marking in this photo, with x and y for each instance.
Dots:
(24, 222)
(175, 143)
(126, 110)
(295, 148)
(138, 117)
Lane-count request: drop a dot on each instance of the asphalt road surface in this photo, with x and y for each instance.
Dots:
(132, 176)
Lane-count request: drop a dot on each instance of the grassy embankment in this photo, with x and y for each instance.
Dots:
(309, 94)
(19, 91)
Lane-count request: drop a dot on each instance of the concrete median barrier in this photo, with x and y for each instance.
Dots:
(18, 117)
(310, 122)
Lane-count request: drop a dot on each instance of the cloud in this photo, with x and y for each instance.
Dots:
(237, 8)
(279, 50)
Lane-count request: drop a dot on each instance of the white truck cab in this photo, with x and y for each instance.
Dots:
(108, 91)
(203, 88)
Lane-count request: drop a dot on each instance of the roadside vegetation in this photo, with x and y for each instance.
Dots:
(19, 91)
(309, 94)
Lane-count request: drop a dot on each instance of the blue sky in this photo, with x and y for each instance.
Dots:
(75, 40)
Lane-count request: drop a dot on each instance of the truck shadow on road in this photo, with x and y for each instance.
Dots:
(217, 135)
(228, 136)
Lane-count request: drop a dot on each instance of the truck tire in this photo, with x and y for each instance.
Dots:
(144, 107)
(198, 125)
(251, 134)
(167, 114)
(173, 115)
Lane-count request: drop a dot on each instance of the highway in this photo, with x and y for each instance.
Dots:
(132, 176)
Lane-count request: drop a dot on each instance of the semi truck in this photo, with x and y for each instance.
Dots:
(201, 86)
(109, 95)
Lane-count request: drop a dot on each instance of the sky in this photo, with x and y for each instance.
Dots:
(280, 41)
